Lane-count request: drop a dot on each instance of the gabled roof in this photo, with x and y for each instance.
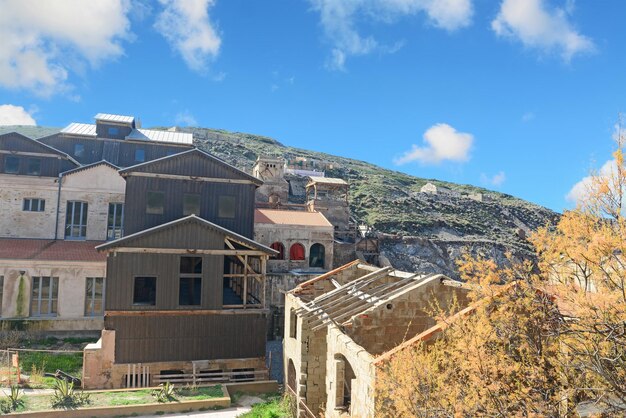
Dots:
(41, 144)
(326, 180)
(290, 217)
(88, 166)
(49, 250)
(240, 239)
(161, 136)
(107, 117)
(200, 153)
(80, 129)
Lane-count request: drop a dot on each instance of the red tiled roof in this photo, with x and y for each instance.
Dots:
(43, 249)
(290, 217)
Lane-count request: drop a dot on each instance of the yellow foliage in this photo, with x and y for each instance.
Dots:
(555, 338)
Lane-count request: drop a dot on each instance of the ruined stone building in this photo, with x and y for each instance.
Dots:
(341, 325)
(60, 196)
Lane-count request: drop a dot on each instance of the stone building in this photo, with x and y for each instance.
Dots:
(275, 189)
(337, 325)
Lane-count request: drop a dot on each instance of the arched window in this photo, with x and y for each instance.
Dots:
(317, 256)
(296, 252)
(278, 246)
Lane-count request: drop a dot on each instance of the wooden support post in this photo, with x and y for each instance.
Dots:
(133, 380)
(194, 373)
(264, 277)
(128, 376)
(245, 281)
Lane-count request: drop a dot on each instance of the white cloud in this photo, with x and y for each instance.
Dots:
(581, 190)
(536, 26)
(339, 20)
(44, 41)
(496, 180)
(187, 27)
(442, 143)
(185, 118)
(15, 115)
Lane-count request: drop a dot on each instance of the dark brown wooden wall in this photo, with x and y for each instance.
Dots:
(124, 267)
(118, 152)
(50, 166)
(135, 216)
(187, 338)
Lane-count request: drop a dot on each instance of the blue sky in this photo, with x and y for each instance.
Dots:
(519, 96)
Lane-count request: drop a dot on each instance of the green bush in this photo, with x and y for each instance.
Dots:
(65, 396)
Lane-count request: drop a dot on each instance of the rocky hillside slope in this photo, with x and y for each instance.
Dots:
(420, 232)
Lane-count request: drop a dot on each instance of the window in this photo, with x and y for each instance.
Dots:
(45, 296)
(33, 167)
(278, 246)
(226, 207)
(140, 155)
(317, 256)
(94, 296)
(154, 203)
(144, 292)
(191, 204)
(114, 131)
(11, 164)
(293, 324)
(115, 220)
(190, 284)
(296, 252)
(79, 150)
(76, 220)
(34, 205)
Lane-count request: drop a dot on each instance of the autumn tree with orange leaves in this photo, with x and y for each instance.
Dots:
(543, 340)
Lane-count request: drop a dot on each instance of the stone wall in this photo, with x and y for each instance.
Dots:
(17, 223)
(16, 297)
(342, 349)
(307, 351)
(391, 322)
(290, 234)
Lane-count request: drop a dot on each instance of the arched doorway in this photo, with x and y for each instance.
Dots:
(291, 376)
(278, 246)
(296, 252)
(344, 378)
(317, 256)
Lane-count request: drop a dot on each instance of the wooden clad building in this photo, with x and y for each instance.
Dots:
(191, 182)
(170, 297)
(20, 155)
(185, 288)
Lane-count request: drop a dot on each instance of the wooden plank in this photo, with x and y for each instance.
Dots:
(181, 312)
(192, 178)
(140, 250)
(324, 276)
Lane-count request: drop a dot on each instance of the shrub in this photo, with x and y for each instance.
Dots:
(165, 393)
(65, 396)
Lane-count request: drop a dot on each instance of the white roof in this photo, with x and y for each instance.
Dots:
(114, 118)
(326, 180)
(161, 136)
(82, 129)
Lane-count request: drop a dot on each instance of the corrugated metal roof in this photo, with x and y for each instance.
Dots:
(43, 249)
(114, 118)
(161, 136)
(326, 180)
(290, 217)
(82, 129)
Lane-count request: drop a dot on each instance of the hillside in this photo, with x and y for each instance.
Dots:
(419, 231)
